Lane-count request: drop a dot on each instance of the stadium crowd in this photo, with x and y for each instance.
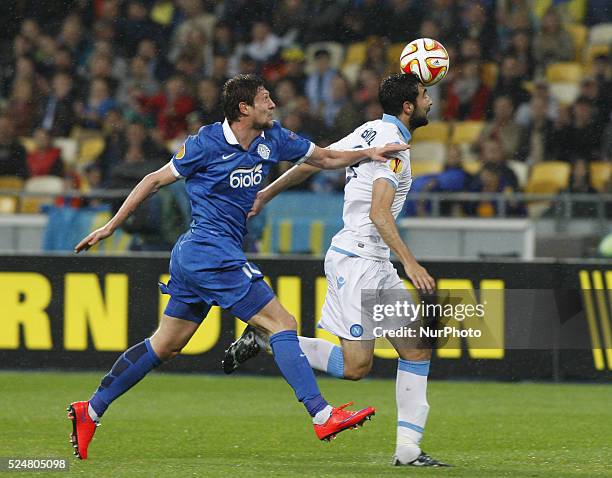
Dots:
(122, 82)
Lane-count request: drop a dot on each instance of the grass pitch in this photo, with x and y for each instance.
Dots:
(188, 425)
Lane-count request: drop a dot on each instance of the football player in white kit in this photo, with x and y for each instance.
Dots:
(358, 260)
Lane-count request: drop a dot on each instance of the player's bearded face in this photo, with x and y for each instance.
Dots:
(421, 110)
(263, 110)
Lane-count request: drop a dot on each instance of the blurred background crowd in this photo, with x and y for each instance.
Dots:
(97, 93)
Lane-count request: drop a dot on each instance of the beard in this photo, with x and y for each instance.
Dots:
(261, 125)
(418, 120)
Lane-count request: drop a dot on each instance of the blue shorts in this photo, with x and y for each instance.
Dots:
(194, 287)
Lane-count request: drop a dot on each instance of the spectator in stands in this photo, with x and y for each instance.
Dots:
(208, 105)
(476, 24)
(219, 70)
(22, 107)
(520, 47)
(445, 15)
(491, 179)
(467, 96)
(552, 43)
(342, 112)
(290, 19)
(45, 159)
(540, 90)
(580, 183)
(140, 157)
(536, 142)
(101, 68)
(264, 45)
(503, 127)
(492, 152)
(338, 99)
(115, 144)
(294, 68)
(139, 77)
(285, 98)
(57, 112)
(509, 82)
(376, 57)
(136, 26)
(156, 62)
(600, 100)
(469, 50)
(99, 102)
(222, 41)
(318, 84)
(71, 37)
(170, 107)
(12, 153)
(367, 87)
(577, 135)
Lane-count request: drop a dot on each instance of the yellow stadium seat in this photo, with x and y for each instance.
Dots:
(579, 36)
(596, 50)
(393, 56)
(421, 168)
(566, 71)
(13, 183)
(466, 131)
(435, 131)
(28, 144)
(600, 34)
(90, 149)
(428, 151)
(8, 204)
(356, 53)
(601, 173)
(489, 74)
(564, 92)
(472, 166)
(548, 177)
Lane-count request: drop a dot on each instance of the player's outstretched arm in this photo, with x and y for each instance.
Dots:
(332, 159)
(288, 179)
(149, 185)
(383, 194)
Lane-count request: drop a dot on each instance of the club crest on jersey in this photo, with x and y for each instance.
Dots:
(245, 178)
(180, 154)
(263, 151)
(396, 165)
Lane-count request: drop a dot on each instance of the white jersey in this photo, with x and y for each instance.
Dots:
(359, 236)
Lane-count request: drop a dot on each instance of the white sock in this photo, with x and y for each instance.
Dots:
(92, 414)
(323, 356)
(412, 407)
(321, 417)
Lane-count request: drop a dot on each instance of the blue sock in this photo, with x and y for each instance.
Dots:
(335, 364)
(296, 370)
(129, 369)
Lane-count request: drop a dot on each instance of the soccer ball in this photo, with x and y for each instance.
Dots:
(426, 58)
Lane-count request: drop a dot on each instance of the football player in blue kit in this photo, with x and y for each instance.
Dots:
(223, 166)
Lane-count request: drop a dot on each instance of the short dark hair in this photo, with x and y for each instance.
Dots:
(236, 90)
(396, 89)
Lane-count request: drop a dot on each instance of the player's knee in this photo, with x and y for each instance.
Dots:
(357, 371)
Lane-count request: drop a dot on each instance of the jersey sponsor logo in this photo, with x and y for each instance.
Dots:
(263, 151)
(245, 178)
(180, 154)
(396, 165)
(356, 330)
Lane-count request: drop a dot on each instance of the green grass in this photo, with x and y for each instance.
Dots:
(187, 425)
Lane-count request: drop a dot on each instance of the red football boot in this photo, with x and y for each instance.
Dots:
(341, 420)
(83, 428)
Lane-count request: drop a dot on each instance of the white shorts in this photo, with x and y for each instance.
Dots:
(347, 276)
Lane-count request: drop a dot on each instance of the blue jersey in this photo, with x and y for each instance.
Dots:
(222, 180)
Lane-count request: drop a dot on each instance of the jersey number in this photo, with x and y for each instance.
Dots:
(368, 135)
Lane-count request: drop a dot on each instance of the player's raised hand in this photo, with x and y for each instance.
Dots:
(420, 277)
(93, 238)
(260, 201)
(383, 153)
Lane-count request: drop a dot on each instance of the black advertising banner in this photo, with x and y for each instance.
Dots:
(499, 320)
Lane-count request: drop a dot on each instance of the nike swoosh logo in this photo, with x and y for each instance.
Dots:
(226, 156)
